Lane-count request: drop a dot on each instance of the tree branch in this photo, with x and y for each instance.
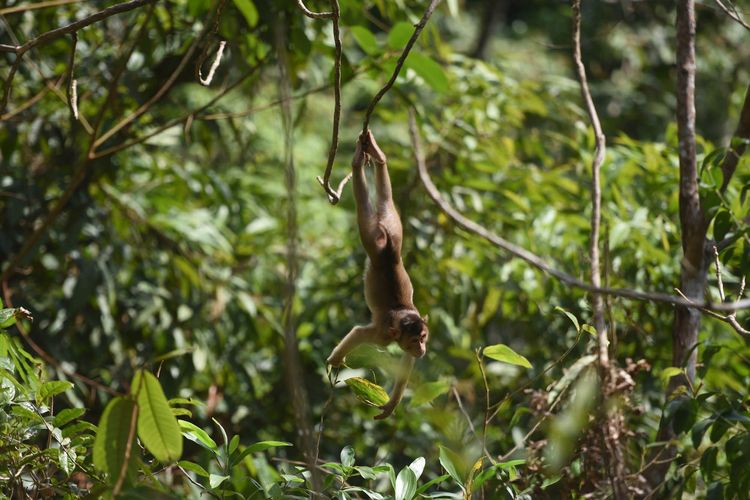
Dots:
(536, 261)
(334, 196)
(399, 63)
(732, 158)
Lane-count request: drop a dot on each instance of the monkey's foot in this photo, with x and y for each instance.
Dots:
(335, 361)
(371, 147)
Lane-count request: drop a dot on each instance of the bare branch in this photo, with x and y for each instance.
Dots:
(596, 193)
(334, 196)
(217, 60)
(733, 13)
(315, 15)
(536, 261)
(399, 63)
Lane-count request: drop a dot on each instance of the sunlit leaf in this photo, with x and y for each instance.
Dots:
(367, 392)
(158, 429)
(116, 430)
(249, 11)
(502, 352)
(365, 39)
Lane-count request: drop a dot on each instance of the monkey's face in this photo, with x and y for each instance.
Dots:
(413, 334)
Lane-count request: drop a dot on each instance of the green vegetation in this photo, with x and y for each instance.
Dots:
(168, 238)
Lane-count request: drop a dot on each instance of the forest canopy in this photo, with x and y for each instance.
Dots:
(180, 251)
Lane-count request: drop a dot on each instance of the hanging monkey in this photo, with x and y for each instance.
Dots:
(388, 289)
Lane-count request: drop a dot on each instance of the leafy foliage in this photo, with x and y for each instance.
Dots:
(166, 266)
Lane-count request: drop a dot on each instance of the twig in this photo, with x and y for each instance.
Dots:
(731, 318)
(487, 417)
(733, 14)
(597, 303)
(314, 15)
(614, 464)
(334, 196)
(72, 82)
(536, 261)
(123, 472)
(217, 60)
(399, 63)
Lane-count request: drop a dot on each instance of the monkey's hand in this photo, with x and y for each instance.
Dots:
(371, 147)
(335, 360)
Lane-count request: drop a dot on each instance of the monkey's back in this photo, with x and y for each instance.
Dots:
(387, 284)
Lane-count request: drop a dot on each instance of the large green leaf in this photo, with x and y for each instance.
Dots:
(429, 70)
(406, 484)
(399, 35)
(451, 462)
(111, 440)
(502, 352)
(249, 11)
(367, 392)
(365, 39)
(158, 429)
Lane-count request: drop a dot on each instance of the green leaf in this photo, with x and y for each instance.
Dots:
(669, 372)
(249, 11)
(570, 316)
(198, 435)
(7, 318)
(50, 389)
(215, 480)
(347, 456)
(429, 391)
(365, 39)
(67, 415)
(399, 35)
(406, 484)
(449, 460)
(158, 429)
(502, 352)
(429, 70)
(193, 467)
(366, 472)
(367, 392)
(111, 440)
(417, 466)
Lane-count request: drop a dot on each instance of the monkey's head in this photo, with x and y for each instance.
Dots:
(409, 329)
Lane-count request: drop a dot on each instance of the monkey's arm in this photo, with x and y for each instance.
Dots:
(407, 363)
(358, 335)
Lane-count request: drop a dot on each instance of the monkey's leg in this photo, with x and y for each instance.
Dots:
(365, 213)
(407, 363)
(358, 335)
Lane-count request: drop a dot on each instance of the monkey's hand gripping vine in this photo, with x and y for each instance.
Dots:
(388, 289)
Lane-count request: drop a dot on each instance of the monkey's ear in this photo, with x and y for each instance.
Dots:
(393, 333)
(425, 318)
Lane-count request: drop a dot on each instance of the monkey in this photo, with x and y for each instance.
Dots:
(388, 289)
